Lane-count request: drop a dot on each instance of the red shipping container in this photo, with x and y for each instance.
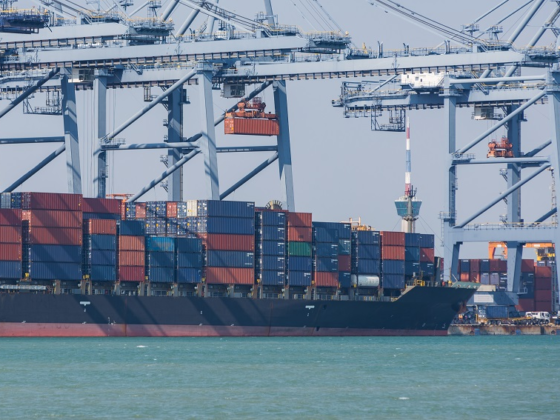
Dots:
(223, 242)
(498, 266)
(299, 219)
(131, 274)
(10, 234)
(344, 263)
(132, 243)
(391, 252)
(465, 277)
(100, 227)
(323, 279)
(132, 258)
(171, 209)
(101, 205)
(10, 252)
(427, 255)
(123, 210)
(475, 277)
(10, 217)
(51, 201)
(475, 266)
(229, 275)
(543, 295)
(53, 236)
(527, 266)
(299, 234)
(545, 272)
(53, 218)
(543, 306)
(251, 126)
(392, 238)
(542, 283)
(140, 210)
(525, 305)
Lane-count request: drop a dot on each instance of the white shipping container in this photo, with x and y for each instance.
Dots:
(192, 208)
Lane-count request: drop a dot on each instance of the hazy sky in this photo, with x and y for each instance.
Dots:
(341, 168)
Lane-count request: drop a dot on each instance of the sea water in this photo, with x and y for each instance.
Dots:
(281, 378)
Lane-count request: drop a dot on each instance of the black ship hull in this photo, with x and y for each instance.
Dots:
(420, 311)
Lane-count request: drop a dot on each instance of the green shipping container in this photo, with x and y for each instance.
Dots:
(299, 249)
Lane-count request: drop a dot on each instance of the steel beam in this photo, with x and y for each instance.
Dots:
(37, 168)
(488, 80)
(169, 9)
(549, 22)
(501, 161)
(29, 91)
(207, 142)
(32, 140)
(526, 19)
(538, 149)
(284, 148)
(502, 122)
(269, 12)
(249, 176)
(503, 195)
(164, 175)
(99, 160)
(175, 135)
(187, 23)
(544, 216)
(70, 120)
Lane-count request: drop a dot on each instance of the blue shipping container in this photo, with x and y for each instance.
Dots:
(299, 278)
(393, 281)
(189, 260)
(329, 265)
(272, 233)
(271, 218)
(465, 266)
(344, 279)
(272, 248)
(160, 259)
(411, 268)
(239, 259)
(53, 253)
(189, 275)
(272, 263)
(189, 245)
(160, 244)
(103, 273)
(161, 274)
(300, 263)
(392, 266)
(131, 228)
(325, 235)
(101, 257)
(426, 241)
(108, 242)
(363, 266)
(367, 251)
(217, 208)
(103, 216)
(326, 250)
(366, 237)
(412, 239)
(55, 271)
(10, 270)
(272, 278)
(227, 225)
(484, 266)
(412, 253)
(427, 268)
(344, 247)
(344, 230)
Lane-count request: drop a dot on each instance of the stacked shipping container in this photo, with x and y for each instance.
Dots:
(100, 249)
(131, 251)
(325, 255)
(366, 257)
(299, 264)
(189, 260)
(543, 289)
(10, 244)
(160, 259)
(393, 259)
(270, 247)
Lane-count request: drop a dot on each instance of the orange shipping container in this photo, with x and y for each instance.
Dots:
(543, 295)
(132, 258)
(344, 263)
(10, 252)
(390, 252)
(392, 238)
(224, 242)
(171, 209)
(131, 274)
(543, 272)
(140, 210)
(10, 217)
(229, 275)
(525, 305)
(427, 255)
(251, 126)
(131, 243)
(543, 283)
(53, 236)
(465, 277)
(10, 234)
(527, 266)
(299, 234)
(53, 218)
(543, 306)
(323, 279)
(100, 227)
(299, 219)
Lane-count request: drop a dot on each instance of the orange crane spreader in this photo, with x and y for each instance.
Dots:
(250, 119)
(545, 251)
(502, 148)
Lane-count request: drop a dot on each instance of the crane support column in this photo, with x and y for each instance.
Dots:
(175, 135)
(207, 140)
(515, 249)
(284, 148)
(554, 100)
(452, 247)
(71, 142)
(100, 130)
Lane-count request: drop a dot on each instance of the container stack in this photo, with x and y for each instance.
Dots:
(99, 261)
(270, 247)
(345, 255)
(299, 264)
(160, 259)
(543, 289)
(176, 215)
(189, 260)
(102, 208)
(527, 289)
(52, 235)
(131, 251)
(412, 256)
(492, 270)
(393, 259)
(474, 272)
(465, 270)
(227, 230)
(328, 264)
(156, 217)
(10, 244)
(366, 258)
(427, 255)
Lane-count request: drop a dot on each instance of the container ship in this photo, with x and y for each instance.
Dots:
(88, 267)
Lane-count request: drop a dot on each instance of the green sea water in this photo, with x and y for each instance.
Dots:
(281, 378)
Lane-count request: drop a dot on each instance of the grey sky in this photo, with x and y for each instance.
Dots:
(341, 168)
